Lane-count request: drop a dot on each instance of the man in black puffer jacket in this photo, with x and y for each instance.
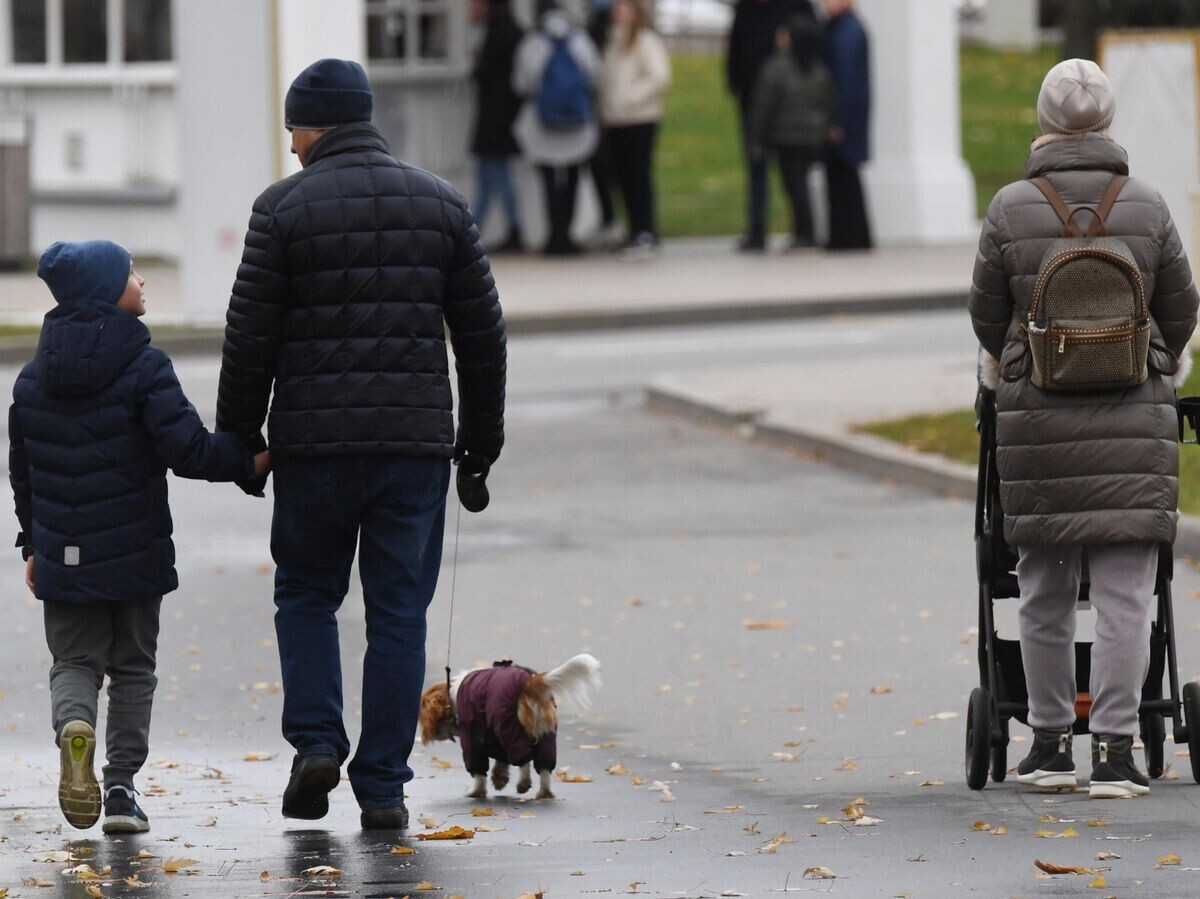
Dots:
(352, 270)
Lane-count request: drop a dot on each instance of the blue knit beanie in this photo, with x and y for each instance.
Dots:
(329, 92)
(84, 272)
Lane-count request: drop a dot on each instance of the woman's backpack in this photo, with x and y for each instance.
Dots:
(1089, 321)
(565, 99)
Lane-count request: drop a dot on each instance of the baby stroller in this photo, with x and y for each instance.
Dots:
(1002, 693)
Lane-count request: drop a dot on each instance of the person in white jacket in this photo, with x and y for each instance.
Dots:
(557, 148)
(634, 77)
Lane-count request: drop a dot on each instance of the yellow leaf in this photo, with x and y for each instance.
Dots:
(1051, 835)
(322, 871)
(145, 854)
(403, 850)
(264, 876)
(982, 826)
(881, 689)
(1099, 883)
(637, 780)
(849, 765)
(1051, 868)
(453, 833)
(773, 624)
(751, 828)
(1171, 859)
(724, 810)
(617, 770)
(426, 887)
(483, 812)
(83, 872)
(259, 756)
(1000, 831)
(819, 872)
(574, 778)
(822, 820)
(93, 890)
(175, 865)
(441, 763)
(135, 881)
(1098, 823)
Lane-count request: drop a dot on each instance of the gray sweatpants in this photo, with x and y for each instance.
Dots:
(1122, 592)
(89, 641)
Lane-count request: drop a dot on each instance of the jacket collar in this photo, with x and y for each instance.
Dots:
(346, 139)
(1088, 152)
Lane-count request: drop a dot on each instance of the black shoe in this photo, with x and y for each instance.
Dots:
(1114, 774)
(121, 812)
(1050, 762)
(514, 243)
(307, 793)
(752, 245)
(384, 818)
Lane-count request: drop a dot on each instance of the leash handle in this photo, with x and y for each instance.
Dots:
(453, 588)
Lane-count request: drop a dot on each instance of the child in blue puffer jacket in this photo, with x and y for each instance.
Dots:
(97, 419)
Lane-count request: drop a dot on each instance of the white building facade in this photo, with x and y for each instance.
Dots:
(156, 122)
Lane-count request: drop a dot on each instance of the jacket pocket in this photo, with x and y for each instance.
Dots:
(1014, 360)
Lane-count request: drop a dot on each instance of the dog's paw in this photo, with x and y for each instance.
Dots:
(524, 785)
(545, 793)
(479, 792)
(499, 779)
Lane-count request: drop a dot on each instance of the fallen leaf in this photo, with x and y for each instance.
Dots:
(637, 780)
(1051, 835)
(1106, 856)
(259, 756)
(85, 872)
(751, 829)
(819, 872)
(323, 871)
(932, 783)
(1096, 822)
(429, 821)
(145, 854)
(1171, 859)
(724, 810)
(1000, 831)
(36, 882)
(1099, 883)
(849, 765)
(403, 850)
(880, 689)
(573, 778)
(264, 876)
(425, 887)
(483, 812)
(617, 770)
(1052, 868)
(93, 890)
(784, 756)
(453, 833)
(776, 841)
(175, 865)
(441, 763)
(56, 858)
(487, 828)
(981, 826)
(772, 624)
(208, 822)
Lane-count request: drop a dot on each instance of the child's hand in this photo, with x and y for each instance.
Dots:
(836, 134)
(262, 463)
(29, 574)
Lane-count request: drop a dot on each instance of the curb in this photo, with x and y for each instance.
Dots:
(862, 453)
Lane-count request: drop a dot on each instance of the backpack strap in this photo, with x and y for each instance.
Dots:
(1099, 213)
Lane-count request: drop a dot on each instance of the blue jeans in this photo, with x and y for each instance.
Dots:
(393, 508)
(494, 177)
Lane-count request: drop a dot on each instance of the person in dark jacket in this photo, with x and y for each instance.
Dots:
(1093, 472)
(352, 270)
(793, 104)
(97, 419)
(848, 56)
(496, 108)
(751, 44)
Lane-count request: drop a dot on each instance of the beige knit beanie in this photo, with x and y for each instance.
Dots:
(1076, 98)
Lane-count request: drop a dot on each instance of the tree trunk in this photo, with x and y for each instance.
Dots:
(1082, 23)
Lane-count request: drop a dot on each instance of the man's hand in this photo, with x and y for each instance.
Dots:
(262, 464)
(29, 574)
(472, 482)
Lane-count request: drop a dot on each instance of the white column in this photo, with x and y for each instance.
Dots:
(919, 189)
(1011, 24)
(228, 125)
(236, 61)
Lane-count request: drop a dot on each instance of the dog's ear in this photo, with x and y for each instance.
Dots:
(435, 710)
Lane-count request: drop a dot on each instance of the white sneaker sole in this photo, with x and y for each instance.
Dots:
(1050, 780)
(125, 824)
(1116, 789)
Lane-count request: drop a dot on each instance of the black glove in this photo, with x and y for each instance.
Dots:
(472, 482)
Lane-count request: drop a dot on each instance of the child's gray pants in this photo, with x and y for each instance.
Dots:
(89, 641)
(1122, 591)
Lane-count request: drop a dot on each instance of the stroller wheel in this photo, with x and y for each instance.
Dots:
(1154, 735)
(1191, 712)
(979, 731)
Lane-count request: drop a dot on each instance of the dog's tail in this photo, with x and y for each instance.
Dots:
(574, 682)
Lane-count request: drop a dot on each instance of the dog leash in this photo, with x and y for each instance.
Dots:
(453, 587)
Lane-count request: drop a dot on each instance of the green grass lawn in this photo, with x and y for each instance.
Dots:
(952, 434)
(701, 181)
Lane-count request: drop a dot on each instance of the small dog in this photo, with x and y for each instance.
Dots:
(509, 714)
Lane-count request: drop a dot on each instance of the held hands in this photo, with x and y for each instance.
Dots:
(836, 134)
(262, 464)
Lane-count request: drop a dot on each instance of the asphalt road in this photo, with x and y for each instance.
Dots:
(650, 543)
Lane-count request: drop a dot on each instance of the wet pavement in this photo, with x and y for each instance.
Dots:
(787, 652)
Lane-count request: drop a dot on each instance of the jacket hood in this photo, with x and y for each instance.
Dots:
(83, 349)
(1089, 152)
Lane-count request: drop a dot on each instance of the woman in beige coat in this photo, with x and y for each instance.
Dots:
(635, 75)
(1096, 470)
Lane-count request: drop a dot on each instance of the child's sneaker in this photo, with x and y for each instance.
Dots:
(1050, 763)
(1114, 774)
(78, 792)
(121, 812)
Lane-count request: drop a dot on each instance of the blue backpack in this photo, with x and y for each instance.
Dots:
(565, 98)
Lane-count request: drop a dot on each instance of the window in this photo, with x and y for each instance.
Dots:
(85, 31)
(147, 30)
(89, 32)
(413, 32)
(28, 31)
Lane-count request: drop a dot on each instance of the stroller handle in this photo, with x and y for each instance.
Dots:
(1189, 417)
